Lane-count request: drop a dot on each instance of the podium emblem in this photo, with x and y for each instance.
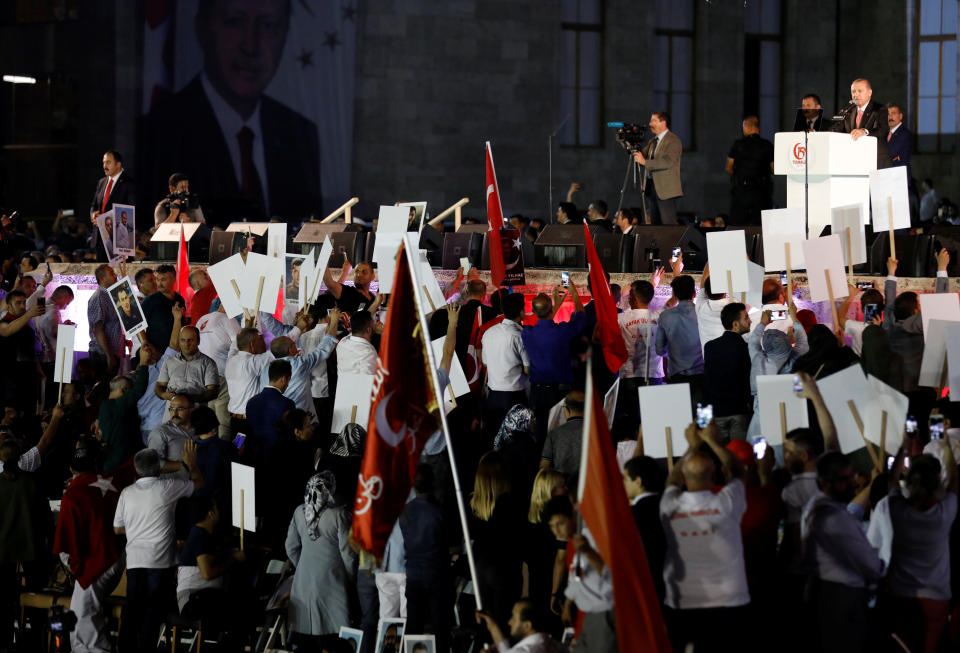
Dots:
(799, 155)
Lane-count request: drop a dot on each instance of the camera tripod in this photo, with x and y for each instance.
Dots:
(637, 170)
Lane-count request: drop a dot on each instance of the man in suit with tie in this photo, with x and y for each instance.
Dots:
(866, 118)
(661, 157)
(899, 139)
(116, 187)
(811, 118)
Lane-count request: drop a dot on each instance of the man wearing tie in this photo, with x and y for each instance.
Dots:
(811, 119)
(116, 187)
(866, 118)
(661, 157)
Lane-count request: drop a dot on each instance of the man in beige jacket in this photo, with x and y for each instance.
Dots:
(661, 157)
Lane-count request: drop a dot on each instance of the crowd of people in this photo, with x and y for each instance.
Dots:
(135, 455)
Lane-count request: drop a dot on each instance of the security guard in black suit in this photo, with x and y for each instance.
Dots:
(750, 166)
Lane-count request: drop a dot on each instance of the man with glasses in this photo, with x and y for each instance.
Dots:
(168, 438)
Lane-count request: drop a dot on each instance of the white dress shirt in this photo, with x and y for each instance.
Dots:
(505, 357)
(217, 334)
(356, 356)
(242, 372)
(319, 384)
(145, 511)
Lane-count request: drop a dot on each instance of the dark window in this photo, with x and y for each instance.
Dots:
(674, 63)
(581, 79)
(761, 64)
(936, 86)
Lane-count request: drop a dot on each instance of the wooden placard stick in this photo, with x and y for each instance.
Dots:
(429, 298)
(833, 303)
(241, 519)
(943, 378)
(786, 256)
(58, 373)
(669, 435)
(883, 434)
(893, 243)
(856, 418)
(783, 421)
(236, 289)
(353, 414)
(259, 294)
(730, 284)
(850, 253)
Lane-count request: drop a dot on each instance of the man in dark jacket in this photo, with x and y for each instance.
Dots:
(726, 366)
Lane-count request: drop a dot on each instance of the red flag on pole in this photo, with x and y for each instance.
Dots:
(494, 222)
(608, 329)
(605, 509)
(401, 418)
(183, 271)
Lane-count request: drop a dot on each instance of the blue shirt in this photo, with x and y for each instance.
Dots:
(301, 380)
(679, 338)
(150, 406)
(548, 348)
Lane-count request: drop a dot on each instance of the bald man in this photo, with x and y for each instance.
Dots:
(866, 118)
(547, 345)
(704, 572)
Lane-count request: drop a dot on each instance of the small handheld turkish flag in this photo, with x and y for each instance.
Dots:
(494, 222)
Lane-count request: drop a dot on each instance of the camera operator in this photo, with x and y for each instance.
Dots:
(180, 205)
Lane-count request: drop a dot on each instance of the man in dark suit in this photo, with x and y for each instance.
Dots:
(116, 187)
(661, 157)
(250, 155)
(866, 118)
(899, 139)
(265, 410)
(643, 480)
(811, 119)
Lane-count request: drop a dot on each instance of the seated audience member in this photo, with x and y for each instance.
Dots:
(326, 565)
(119, 422)
(644, 483)
(726, 366)
(704, 571)
(145, 516)
(915, 603)
(592, 592)
(527, 629)
(203, 563)
(356, 353)
(678, 338)
(562, 449)
(771, 353)
(838, 558)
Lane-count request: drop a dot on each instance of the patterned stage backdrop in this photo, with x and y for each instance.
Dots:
(253, 100)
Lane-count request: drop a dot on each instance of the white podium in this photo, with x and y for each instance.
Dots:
(839, 172)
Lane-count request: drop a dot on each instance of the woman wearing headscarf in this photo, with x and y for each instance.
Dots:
(826, 355)
(517, 443)
(326, 566)
(771, 353)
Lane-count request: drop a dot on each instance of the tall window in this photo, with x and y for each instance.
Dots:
(761, 64)
(673, 69)
(936, 90)
(581, 79)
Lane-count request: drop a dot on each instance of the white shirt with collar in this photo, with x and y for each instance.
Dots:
(893, 130)
(218, 333)
(356, 356)
(231, 123)
(242, 372)
(535, 643)
(505, 357)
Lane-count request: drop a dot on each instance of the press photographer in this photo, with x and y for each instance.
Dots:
(180, 205)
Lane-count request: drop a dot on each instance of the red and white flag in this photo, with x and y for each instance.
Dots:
(608, 329)
(605, 509)
(494, 222)
(183, 272)
(402, 418)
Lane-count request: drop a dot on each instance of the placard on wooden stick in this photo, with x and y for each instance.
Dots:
(352, 401)
(823, 254)
(224, 276)
(727, 254)
(243, 490)
(458, 385)
(953, 360)
(934, 362)
(63, 361)
(938, 306)
(665, 409)
(887, 415)
(838, 390)
(781, 410)
(782, 226)
(847, 222)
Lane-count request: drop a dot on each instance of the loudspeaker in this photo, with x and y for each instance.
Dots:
(560, 246)
(914, 253)
(431, 240)
(459, 245)
(615, 251)
(224, 244)
(754, 236)
(315, 232)
(655, 242)
(350, 244)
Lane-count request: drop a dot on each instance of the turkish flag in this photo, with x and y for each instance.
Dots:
(494, 222)
(183, 272)
(608, 329)
(606, 509)
(402, 418)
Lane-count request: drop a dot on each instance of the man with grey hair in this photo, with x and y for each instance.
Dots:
(866, 117)
(119, 420)
(169, 438)
(145, 515)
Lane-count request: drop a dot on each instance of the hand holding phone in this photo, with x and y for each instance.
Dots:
(936, 426)
(565, 279)
(870, 311)
(675, 255)
(704, 415)
(778, 315)
(760, 448)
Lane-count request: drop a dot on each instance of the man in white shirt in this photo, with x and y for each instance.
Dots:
(508, 365)
(774, 299)
(218, 333)
(709, 305)
(242, 371)
(526, 629)
(355, 353)
(145, 515)
(638, 326)
(704, 570)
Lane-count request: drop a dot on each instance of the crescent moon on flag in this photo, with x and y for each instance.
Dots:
(472, 353)
(384, 430)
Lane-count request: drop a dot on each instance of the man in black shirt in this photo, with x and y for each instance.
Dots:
(726, 365)
(351, 299)
(157, 307)
(750, 166)
(643, 481)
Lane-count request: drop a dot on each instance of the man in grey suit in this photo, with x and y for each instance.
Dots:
(661, 157)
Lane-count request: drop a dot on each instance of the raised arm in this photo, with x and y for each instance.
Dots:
(450, 344)
(889, 293)
(731, 464)
(824, 418)
(943, 261)
(9, 328)
(51, 431)
(334, 286)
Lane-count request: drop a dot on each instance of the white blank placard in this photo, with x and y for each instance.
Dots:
(849, 384)
(885, 184)
(938, 306)
(306, 278)
(934, 353)
(663, 406)
(277, 240)
(727, 252)
(458, 385)
(610, 402)
(431, 295)
(773, 390)
(63, 362)
(320, 267)
(241, 478)
(353, 391)
(222, 275)
(953, 359)
(850, 217)
(755, 294)
(782, 226)
(271, 271)
(824, 254)
(885, 398)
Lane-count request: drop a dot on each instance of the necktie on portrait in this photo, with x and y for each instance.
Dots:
(250, 183)
(809, 125)
(859, 117)
(106, 196)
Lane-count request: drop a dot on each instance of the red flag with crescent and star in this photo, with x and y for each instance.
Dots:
(494, 223)
(608, 328)
(402, 418)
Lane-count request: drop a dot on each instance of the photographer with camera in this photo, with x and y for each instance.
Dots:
(661, 158)
(180, 205)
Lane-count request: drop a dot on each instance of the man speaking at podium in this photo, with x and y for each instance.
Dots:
(864, 117)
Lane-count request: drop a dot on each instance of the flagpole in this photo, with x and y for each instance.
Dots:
(435, 380)
(584, 447)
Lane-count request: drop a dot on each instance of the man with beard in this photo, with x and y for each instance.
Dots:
(169, 438)
(526, 631)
